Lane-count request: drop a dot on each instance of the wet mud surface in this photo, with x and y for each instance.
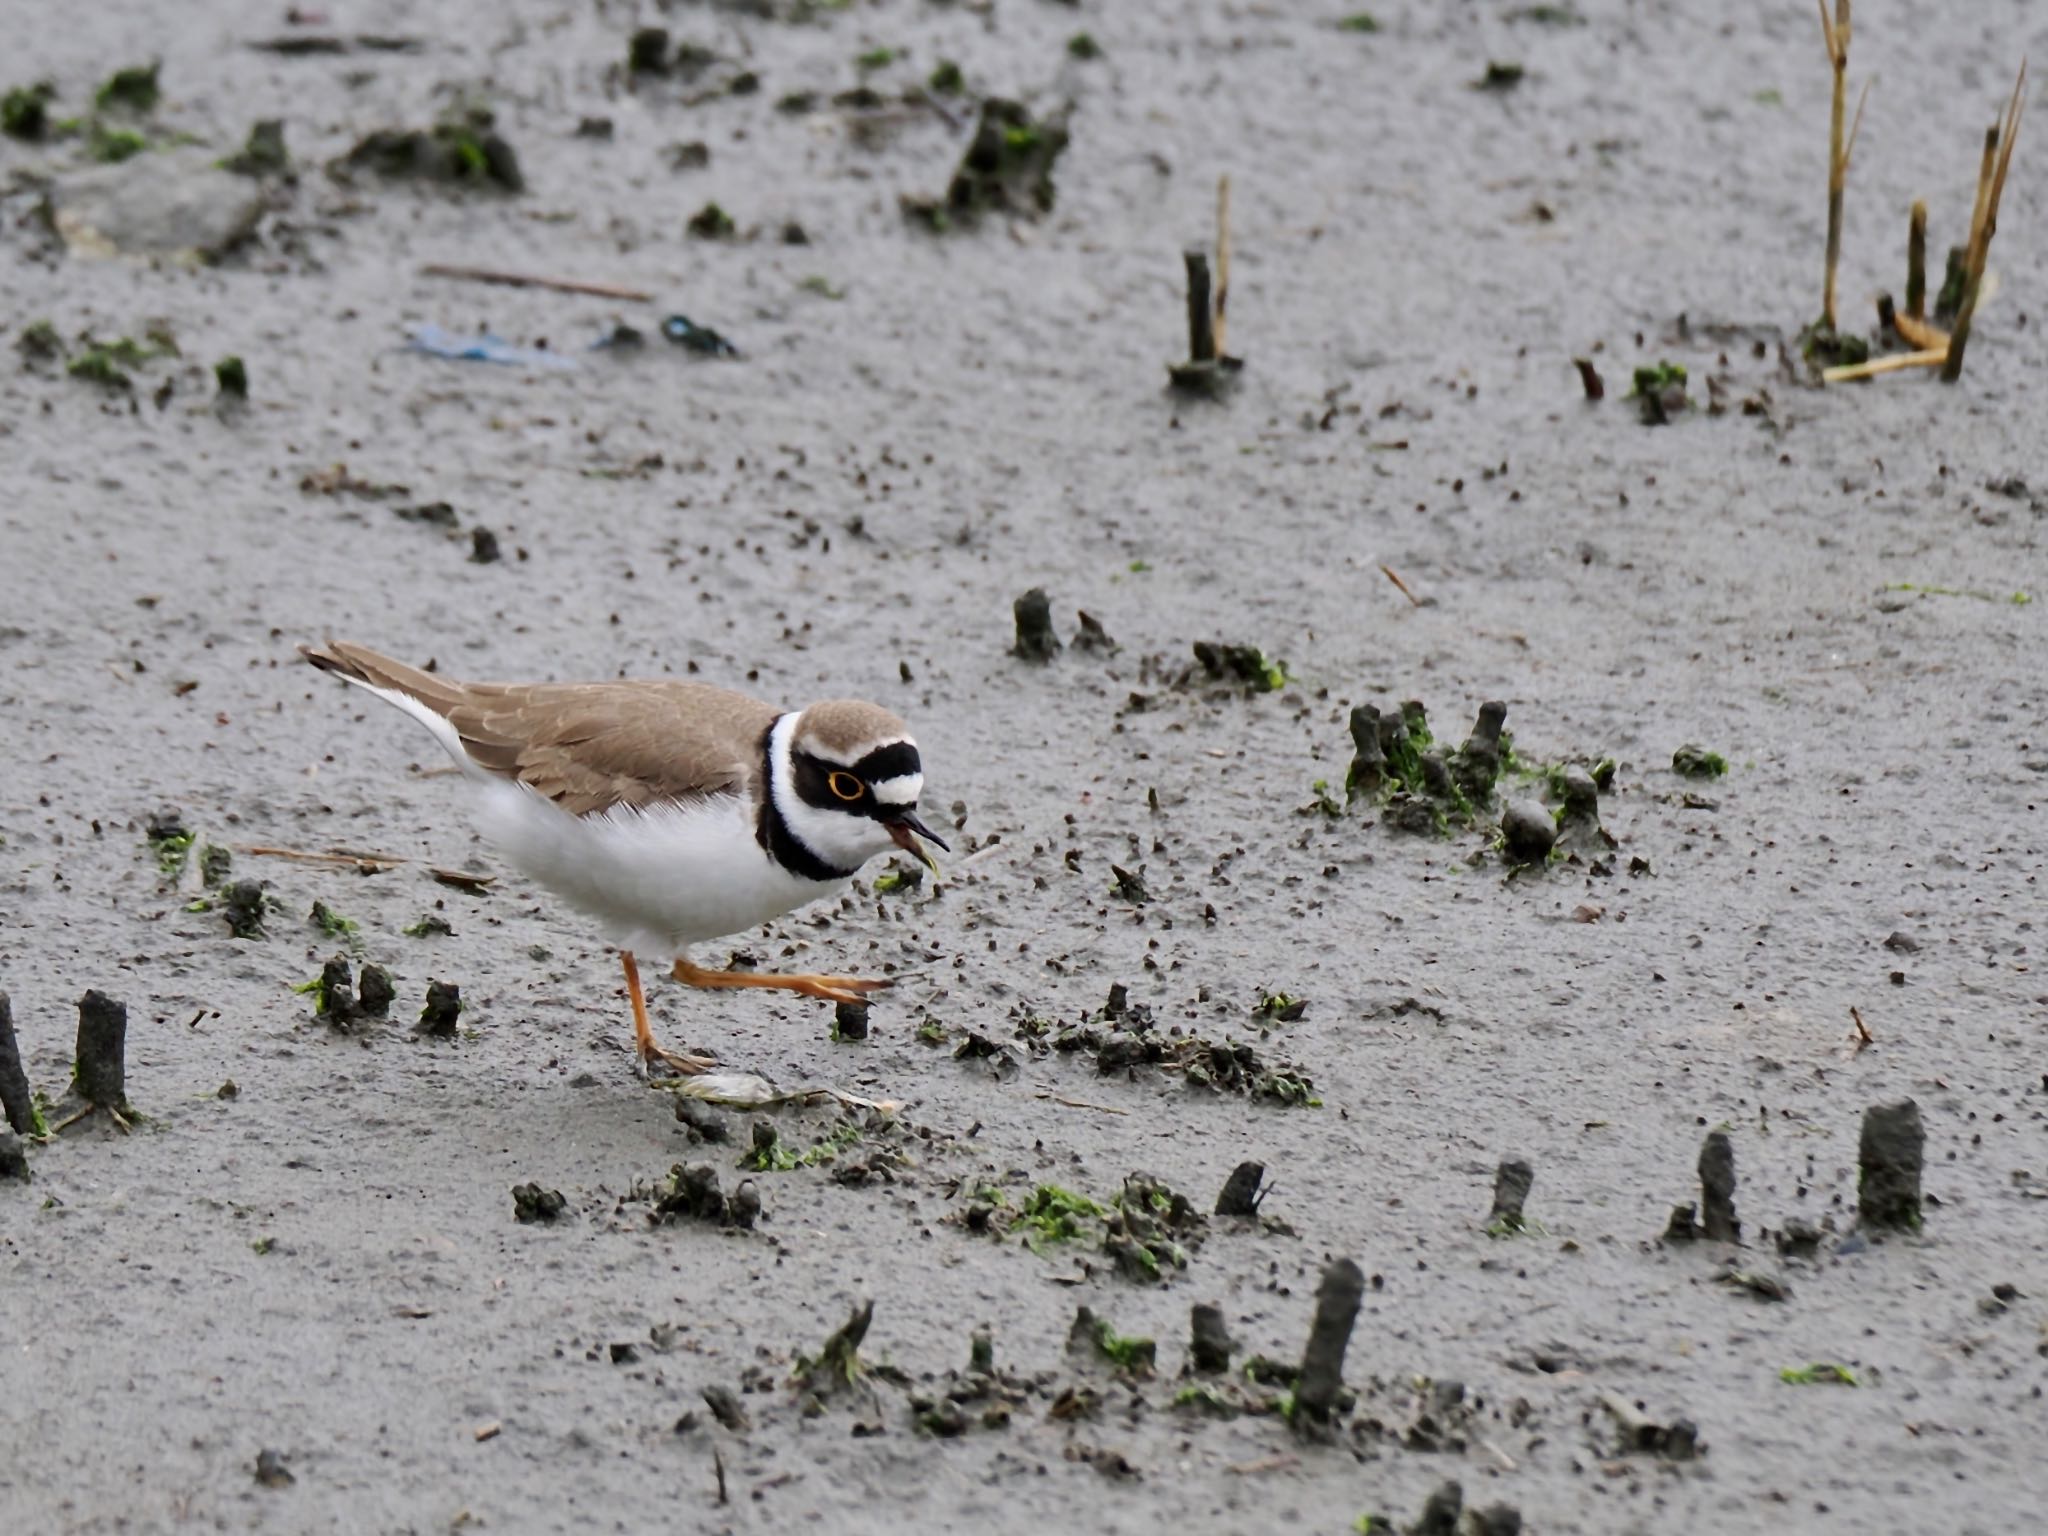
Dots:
(427, 1254)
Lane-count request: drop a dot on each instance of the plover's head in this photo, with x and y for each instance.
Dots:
(853, 778)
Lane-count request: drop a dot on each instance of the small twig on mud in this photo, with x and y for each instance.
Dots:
(718, 1465)
(1397, 581)
(1863, 1037)
(1263, 1464)
(532, 280)
(368, 863)
(1103, 1109)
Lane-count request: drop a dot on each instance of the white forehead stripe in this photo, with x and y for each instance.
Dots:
(901, 790)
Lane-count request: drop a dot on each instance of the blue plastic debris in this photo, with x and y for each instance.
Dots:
(685, 332)
(484, 348)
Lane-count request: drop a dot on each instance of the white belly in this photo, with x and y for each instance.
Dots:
(658, 880)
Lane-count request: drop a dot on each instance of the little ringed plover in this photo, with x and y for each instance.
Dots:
(672, 812)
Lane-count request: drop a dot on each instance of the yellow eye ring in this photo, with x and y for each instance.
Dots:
(845, 785)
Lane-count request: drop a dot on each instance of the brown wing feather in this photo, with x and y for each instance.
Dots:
(586, 746)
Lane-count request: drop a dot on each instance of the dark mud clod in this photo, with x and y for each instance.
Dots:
(1717, 1190)
(1798, 1239)
(647, 52)
(336, 992)
(271, 1471)
(443, 1010)
(1007, 168)
(1441, 1512)
(981, 1353)
(1321, 1383)
(483, 546)
(701, 1121)
(692, 1192)
(1496, 1520)
(263, 154)
(1889, 1159)
(1241, 1192)
(1589, 378)
(463, 148)
(1527, 831)
(102, 1060)
(1678, 1440)
(531, 1203)
(242, 905)
(16, 1100)
(745, 1206)
(1511, 1185)
(725, 1407)
(838, 1363)
(374, 991)
(1245, 664)
(1209, 1341)
(1035, 638)
(1092, 1338)
(1696, 762)
(1091, 636)
(850, 1021)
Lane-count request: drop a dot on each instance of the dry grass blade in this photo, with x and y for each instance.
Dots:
(367, 863)
(1999, 141)
(1388, 571)
(532, 280)
(1856, 125)
(1836, 34)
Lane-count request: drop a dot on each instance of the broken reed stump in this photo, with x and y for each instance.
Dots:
(1916, 261)
(1240, 1195)
(1889, 1158)
(1035, 638)
(1713, 1217)
(1207, 371)
(15, 1098)
(1511, 1184)
(1717, 1190)
(1321, 1382)
(1209, 1340)
(1999, 141)
(102, 1060)
(442, 1012)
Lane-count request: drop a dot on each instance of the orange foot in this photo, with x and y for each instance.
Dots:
(833, 989)
(650, 1049)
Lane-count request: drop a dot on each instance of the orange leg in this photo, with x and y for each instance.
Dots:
(643, 1032)
(833, 989)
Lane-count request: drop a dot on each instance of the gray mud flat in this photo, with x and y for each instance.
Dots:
(308, 1303)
